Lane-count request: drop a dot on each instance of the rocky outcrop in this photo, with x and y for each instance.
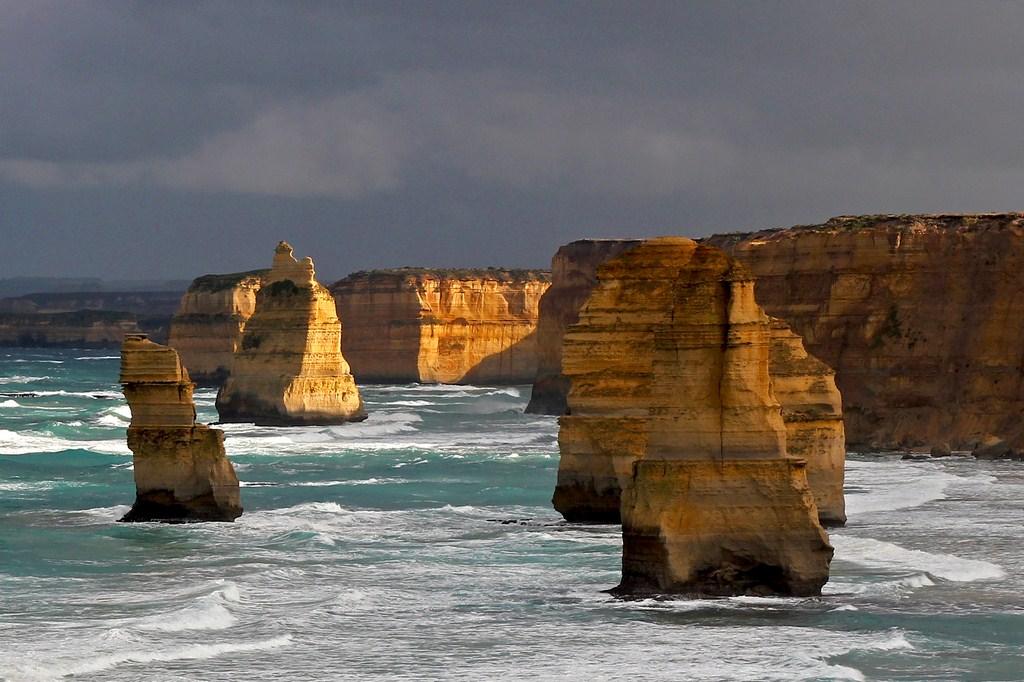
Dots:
(83, 329)
(671, 404)
(181, 471)
(207, 329)
(98, 319)
(289, 369)
(441, 326)
(573, 276)
(812, 410)
(918, 315)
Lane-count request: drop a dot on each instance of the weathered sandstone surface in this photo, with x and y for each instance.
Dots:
(590, 484)
(289, 369)
(441, 326)
(181, 471)
(671, 405)
(918, 314)
(573, 276)
(812, 410)
(207, 329)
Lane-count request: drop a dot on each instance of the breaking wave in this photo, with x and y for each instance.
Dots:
(886, 555)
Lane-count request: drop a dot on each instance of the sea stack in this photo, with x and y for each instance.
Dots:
(573, 276)
(289, 369)
(447, 326)
(595, 468)
(812, 409)
(671, 395)
(181, 471)
(207, 329)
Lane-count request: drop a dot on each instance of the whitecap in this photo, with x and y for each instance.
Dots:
(81, 665)
(20, 379)
(879, 554)
(28, 442)
(898, 487)
(10, 403)
(207, 612)
(99, 357)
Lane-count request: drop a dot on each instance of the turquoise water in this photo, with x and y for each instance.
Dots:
(421, 544)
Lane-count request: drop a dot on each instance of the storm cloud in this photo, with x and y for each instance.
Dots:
(172, 139)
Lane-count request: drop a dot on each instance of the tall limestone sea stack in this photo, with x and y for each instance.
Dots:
(671, 392)
(289, 369)
(441, 326)
(594, 470)
(812, 410)
(918, 314)
(207, 329)
(181, 471)
(573, 275)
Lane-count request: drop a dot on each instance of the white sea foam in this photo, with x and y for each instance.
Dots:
(26, 442)
(44, 362)
(886, 555)
(10, 404)
(116, 417)
(95, 395)
(86, 664)
(892, 486)
(207, 612)
(20, 379)
(99, 357)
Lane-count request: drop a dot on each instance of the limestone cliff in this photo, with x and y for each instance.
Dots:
(181, 471)
(573, 275)
(289, 369)
(441, 326)
(81, 329)
(207, 329)
(812, 410)
(671, 402)
(919, 315)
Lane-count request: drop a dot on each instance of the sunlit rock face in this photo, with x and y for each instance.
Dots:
(289, 369)
(207, 329)
(181, 471)
(919, 315)
(671, 415)
(812, 410)
(441, 326)
(573, 276)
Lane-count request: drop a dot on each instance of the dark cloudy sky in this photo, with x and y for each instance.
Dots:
(170, 139)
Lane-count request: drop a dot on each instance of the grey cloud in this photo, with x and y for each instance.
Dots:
(445, 125)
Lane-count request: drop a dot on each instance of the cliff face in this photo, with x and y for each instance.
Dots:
(671, 403)
(573, 276)
(919, 316)
(441, 326)
(289, 369)
(181, 471)
(812, 410)
(207, 329)
(82, 329)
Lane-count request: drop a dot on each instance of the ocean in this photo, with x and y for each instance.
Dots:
(421, 544)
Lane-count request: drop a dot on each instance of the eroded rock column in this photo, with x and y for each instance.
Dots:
(181, 471)
(671, 403)
(290, 369)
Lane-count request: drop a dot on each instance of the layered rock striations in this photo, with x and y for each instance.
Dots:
(671, 404)
(181, 471)
(441, 326)
(812, 410)
(207, 329)
(289, 369)
(918, 314)
(573, 276)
